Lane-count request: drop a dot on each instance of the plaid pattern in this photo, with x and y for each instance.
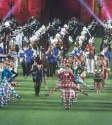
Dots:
(14, 92)
(67, 89)
(1, 102)
(7, 90)
(5, 100)
(67, 93)
(2, 91)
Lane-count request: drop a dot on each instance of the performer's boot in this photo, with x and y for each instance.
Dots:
(62, 101)
(87, 86)
(73, 101)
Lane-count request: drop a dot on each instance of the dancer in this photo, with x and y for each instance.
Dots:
(37, 75)
(45, 65)
(77, 70)
(5, 86)
(67, 86)
(98, 75)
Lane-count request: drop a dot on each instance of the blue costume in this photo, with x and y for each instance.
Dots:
(5, 88)
(6, 73)
(76, 52)
(26, 62)
(51, 59)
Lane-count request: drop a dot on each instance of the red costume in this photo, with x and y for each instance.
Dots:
(90, 49)
(67, 87)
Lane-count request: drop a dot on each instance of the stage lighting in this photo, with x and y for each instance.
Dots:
(11, 4)
(106, 11)
(83, 3)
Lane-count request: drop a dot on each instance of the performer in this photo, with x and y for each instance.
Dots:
(90, 58)
(77, 70)
(106, 69)
(37, 75)
(67, 86)
(6, 77)
(26, 62)
(6, 37)
(10, 65)
(98, 75)
(45, 66)
(83, 65)
(2, 90)
(50, 55)
(56, 52)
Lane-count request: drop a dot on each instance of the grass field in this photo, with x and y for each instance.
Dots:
(95, 109)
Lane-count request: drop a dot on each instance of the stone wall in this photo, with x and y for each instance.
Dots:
(34, 9)
(108, 5)
(63, 9)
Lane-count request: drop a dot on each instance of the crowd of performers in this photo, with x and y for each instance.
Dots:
(7, 83)
(85, 59)
(42, 50)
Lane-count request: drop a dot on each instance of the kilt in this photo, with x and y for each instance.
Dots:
(67, 90)
(67, 93)
(7, 90)
(2, 91)
(98, 78)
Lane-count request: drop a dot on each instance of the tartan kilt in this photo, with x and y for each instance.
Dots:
(67, 90)
(67, 93)
(7, 90)
(2, 91)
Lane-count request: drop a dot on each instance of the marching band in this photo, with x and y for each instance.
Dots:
(42, 49)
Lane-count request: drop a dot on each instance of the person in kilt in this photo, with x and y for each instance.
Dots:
(98, 75)
(67, 86)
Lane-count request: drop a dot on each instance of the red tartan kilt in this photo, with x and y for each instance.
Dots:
(67, 90)
(67, 93)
